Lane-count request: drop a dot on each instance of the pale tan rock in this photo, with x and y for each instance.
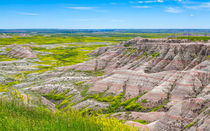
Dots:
(179, 75)
(19, 51)
(147, 116)
(139, 126)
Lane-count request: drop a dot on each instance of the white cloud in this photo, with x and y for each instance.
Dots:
(192, 7)
(201, 5)
(192, 15)
(173, 10)
(205, 5)
(27, 13)
(140, 2)
(82, 8)
(160, 1)
(141, 7)
(151, 1)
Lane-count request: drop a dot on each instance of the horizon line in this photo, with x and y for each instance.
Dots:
(105, 29)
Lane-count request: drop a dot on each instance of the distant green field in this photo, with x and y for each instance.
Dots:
(89, 37)
(78, 38)
(195, 38)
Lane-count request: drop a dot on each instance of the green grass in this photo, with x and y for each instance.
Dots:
(194, 38)
(54, 96)
(56, 39)
(6, 58)
(131, 105)
(19, 117)
(155, 55)
(5, 87)
(64, 102)
(144, 101)
(64, 56)
(190, 125)
(160, 106)
(116, 103)
(79, 37)
(142, 122)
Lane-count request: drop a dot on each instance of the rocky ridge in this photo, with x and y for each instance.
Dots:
(19, 51)
(169, 78)
(172, 73)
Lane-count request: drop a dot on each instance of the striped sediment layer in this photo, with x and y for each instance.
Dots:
(171, 72)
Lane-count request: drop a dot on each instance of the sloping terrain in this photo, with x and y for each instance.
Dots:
(31, 72)
(164, 75)
(163, 84)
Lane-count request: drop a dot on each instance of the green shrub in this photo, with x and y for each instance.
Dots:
(65, 101)
(190, 125)
(155, 55)
(52, 95)
(146, 54)
(159, 107)
(144, 101)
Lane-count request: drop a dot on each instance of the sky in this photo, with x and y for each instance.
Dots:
(105, 14)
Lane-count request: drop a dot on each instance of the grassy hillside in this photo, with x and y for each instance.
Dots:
(19, 117)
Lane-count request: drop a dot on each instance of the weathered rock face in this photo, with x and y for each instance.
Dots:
(19, 51)
(171, 72)
(181, 114)
(147, 116)
(28, 79)
(59, 82)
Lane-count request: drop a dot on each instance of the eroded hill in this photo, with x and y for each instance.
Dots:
(170, 76)
(156, 84)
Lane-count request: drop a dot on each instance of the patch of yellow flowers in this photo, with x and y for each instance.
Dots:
(109, 123)
(17, 95)
(105, 123)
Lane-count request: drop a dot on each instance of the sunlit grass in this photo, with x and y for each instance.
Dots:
(19, 117)
(6, 58)
(195, 38)
(79, 38)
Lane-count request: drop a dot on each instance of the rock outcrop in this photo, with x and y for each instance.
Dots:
(169, 79)
(19, 51)
(173, 73)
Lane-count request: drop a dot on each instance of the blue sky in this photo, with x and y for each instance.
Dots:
(103, 14)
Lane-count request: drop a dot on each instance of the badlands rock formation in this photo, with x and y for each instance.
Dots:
(169, 78)
(19, 51)
(172, 73)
